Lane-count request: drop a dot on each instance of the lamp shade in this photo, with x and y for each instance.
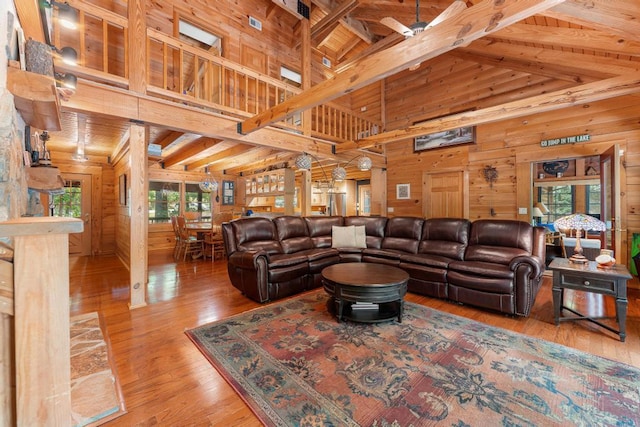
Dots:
(364, 163)
(208, 184)
(303, 161)
(339, 173)
(579, 221)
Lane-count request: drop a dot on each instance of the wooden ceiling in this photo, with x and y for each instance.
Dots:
(572, 42)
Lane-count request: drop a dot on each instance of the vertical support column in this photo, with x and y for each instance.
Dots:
(305, 193)
(305, 36)
(289, 190)
(379, 191)
(139, 222)
(41, 317)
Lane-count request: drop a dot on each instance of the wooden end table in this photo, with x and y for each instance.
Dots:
(365, 292)
(589, 278)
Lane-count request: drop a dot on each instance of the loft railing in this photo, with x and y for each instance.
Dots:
(183, 73)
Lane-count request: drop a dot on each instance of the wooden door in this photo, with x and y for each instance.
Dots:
(76, 203)
(610, 198)
(443, 195)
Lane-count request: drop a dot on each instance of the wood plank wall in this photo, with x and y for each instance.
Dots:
(451, 83)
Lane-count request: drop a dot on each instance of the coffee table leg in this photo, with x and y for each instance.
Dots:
(339, 309)
(400, 310)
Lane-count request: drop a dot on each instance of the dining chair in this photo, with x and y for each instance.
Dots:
(190, 245)
(177, 249)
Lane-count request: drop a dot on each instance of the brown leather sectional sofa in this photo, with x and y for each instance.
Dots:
(495, 264)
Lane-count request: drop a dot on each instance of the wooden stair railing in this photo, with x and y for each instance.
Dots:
(182, 73)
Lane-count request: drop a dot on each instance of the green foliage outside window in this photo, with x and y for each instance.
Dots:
(164, 201)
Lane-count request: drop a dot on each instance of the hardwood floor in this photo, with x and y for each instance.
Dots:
(166, 381)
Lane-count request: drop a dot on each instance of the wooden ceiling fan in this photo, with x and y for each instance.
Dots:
(419, 26)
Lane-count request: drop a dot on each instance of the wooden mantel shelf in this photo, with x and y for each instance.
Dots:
(36, 98)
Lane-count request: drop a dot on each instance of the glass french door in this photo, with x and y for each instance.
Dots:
(75, 202)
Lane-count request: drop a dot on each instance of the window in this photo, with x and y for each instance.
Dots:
(164, 201)
(558, 199)
(199, 37)
(197, 201)
(593, 200)
(68, 204)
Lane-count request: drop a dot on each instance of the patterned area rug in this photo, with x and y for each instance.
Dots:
(295, 365)
(95, 392)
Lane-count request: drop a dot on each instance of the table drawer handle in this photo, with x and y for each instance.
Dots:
(587, 283)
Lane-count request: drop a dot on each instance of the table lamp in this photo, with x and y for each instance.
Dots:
(579, 222)
(537, 215)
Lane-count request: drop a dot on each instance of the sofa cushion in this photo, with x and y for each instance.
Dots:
(499, 241)
(255, 234)
(286, 260)
(403, 234)
(436, 261)
(349, 236)
(292, 233)
(373, 227)
(446, 237)
(319, 229)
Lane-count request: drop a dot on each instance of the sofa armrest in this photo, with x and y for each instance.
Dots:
(528, 271)
(247, 259)
(536, 264)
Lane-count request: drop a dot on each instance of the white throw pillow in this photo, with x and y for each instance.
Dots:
(349, 236)
(360, 236)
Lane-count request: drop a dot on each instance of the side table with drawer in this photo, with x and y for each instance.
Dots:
(589, 278)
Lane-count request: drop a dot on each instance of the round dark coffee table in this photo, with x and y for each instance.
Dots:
(365, 292)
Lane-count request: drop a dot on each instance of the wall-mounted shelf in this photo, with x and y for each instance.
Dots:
(36, 98)
(263, 187)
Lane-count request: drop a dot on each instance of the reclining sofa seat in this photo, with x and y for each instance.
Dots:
(257, 264)
(443, 241)
(401, 236)
(501, 269)
(297, 238)
(496, 264)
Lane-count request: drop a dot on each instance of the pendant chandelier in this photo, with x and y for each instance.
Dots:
(339, 173)
(209, 184)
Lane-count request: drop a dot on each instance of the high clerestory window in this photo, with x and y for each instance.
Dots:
(199, 37)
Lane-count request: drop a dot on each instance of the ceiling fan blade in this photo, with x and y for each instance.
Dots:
(396, 26)
(455, 8)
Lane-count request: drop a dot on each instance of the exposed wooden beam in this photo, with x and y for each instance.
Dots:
(332, 19)
(221, 156)
(383, 44)
(353, 25)
(572, 38)
(471, 24)
(616, 17)
(192, 149)
(29, 16)
(558, 64)
(591, 92)
(169, 138)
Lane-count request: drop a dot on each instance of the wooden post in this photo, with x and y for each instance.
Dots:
(305, 193)
(379, 191)
(139, 221)
(41, 308)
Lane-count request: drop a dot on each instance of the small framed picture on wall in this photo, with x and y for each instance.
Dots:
(403, 191)
(122, 189)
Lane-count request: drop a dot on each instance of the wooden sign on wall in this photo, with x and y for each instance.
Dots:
(565, 140)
